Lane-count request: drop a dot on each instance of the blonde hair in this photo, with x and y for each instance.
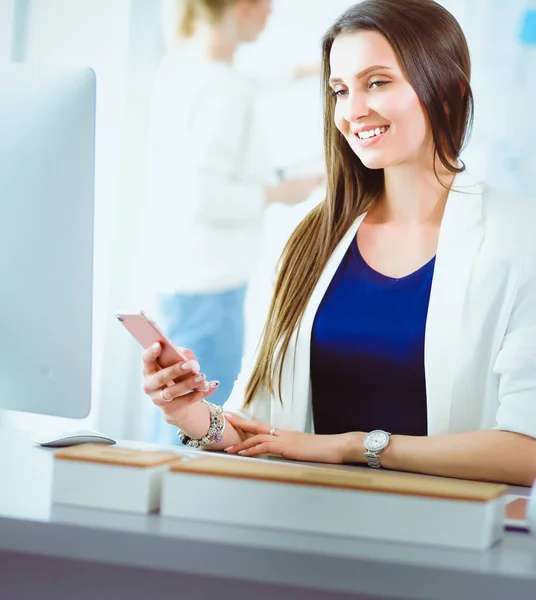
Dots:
(192, 12)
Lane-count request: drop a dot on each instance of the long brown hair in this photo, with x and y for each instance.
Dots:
(432, 51)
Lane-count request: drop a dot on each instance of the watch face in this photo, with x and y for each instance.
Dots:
(376, 440)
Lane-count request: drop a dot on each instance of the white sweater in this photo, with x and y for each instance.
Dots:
(208, 165)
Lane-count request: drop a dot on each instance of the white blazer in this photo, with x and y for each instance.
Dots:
(480, 341)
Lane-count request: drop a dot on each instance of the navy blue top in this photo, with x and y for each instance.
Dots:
(367, 350)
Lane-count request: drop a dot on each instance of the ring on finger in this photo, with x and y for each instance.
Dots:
(162, 395)
(273, 431)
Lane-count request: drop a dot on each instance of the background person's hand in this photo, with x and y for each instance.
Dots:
(294, 189)
(174, 389)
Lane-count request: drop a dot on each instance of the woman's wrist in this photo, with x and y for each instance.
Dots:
(352, 448)
(215, 430)
(193, 420)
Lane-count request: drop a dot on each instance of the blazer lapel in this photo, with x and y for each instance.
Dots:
(460, 238)
(296, 368)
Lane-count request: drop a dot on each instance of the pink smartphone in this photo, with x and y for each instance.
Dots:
(147, 333)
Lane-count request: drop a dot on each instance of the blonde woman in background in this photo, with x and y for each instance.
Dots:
(210, 180)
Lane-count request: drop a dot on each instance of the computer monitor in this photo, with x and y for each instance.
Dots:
(47, 149)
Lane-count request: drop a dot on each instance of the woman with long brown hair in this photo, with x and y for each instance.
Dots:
(402, 331)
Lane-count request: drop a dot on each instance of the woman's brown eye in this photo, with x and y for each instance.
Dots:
(378, 83)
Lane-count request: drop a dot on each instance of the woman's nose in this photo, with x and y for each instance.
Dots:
(356, 107)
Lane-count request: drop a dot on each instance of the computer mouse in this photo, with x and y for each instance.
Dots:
(73, 438)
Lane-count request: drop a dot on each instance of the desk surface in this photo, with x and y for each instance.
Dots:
(30, 524)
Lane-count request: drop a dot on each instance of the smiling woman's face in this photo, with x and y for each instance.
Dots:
(377, 110)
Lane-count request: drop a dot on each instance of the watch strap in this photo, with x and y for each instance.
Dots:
(373, 459)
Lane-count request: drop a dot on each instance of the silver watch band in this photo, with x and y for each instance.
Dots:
(373, 459)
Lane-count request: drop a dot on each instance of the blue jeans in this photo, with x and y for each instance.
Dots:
(212, 326)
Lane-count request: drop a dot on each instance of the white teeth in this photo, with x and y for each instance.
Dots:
(365, 135)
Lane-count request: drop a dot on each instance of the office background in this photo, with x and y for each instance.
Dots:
(124, 40)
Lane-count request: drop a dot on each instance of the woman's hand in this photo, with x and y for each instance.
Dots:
(292, 445)
(175, 388)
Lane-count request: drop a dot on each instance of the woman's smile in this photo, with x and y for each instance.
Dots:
(370, 135)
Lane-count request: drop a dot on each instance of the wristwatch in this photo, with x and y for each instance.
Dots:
(374, 443)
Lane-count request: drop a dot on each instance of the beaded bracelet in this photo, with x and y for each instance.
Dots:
(215, 430)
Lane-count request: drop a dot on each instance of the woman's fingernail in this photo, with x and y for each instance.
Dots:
(155, 347)
(191, 365)
(214, 384)
(228, 449)
(199, 378)
(242, 451)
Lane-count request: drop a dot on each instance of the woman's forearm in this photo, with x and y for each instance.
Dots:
(500, 456)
